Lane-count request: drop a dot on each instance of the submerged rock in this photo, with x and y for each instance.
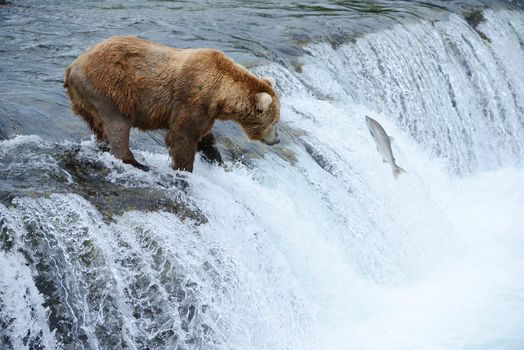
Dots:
(236, 148)
(63, 169)
(7, 235)
(90, 181)
(475, 17)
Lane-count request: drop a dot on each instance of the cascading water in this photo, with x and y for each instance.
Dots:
(311, 244)
(458, 93)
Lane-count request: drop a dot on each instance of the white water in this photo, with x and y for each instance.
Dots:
(302, 256)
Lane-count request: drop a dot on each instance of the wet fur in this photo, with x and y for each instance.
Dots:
(126, 82)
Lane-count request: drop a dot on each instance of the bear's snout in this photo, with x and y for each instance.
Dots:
(272, 137)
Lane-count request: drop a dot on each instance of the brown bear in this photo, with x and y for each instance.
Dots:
(126, 82)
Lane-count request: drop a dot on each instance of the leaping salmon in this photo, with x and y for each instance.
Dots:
(383, 142)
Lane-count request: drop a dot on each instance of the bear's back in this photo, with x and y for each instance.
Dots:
(146, 78)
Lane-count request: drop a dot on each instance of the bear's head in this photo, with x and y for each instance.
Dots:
(254, 105)
(261, 122)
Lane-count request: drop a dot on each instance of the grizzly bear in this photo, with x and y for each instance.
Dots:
(126, 82)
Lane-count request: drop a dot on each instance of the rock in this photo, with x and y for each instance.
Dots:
(474, 17)
(112, 199)
(88, 178)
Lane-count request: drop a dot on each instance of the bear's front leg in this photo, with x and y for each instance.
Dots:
(182, 148)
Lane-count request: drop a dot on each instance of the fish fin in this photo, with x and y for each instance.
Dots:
(397, 171)
(391, 139)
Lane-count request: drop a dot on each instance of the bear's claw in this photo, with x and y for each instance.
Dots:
(137, 165)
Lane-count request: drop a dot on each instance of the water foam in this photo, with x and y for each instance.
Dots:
(318, 249)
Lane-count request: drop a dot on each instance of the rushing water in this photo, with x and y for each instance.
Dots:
(311, 244)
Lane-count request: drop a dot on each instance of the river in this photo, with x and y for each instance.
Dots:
(310, 244)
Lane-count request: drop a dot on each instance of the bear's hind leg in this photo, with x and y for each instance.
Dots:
(86, 111)
(116, 129)
(118, 137)
(207, 145)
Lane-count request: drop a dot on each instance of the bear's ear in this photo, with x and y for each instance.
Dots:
(263, 101)
(269, 80)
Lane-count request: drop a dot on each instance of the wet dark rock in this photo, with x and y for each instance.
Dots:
(31, 340)
(337, 40)
(292, 50)
(62, 169)
(7, 235)
(6, 198)
(475, 17)
(111, 199)
(49, 262)
(3, 2)
(60, 318)
(297, 66)
(484, 36)
(235, 150)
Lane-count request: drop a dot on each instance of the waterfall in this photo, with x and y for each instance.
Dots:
(311, 244)
(458, 91)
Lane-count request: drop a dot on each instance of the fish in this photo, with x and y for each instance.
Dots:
(383, 142)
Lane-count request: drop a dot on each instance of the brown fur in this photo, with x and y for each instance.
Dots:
(126, 82)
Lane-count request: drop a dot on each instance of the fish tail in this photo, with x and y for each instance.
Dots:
(397, 171)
